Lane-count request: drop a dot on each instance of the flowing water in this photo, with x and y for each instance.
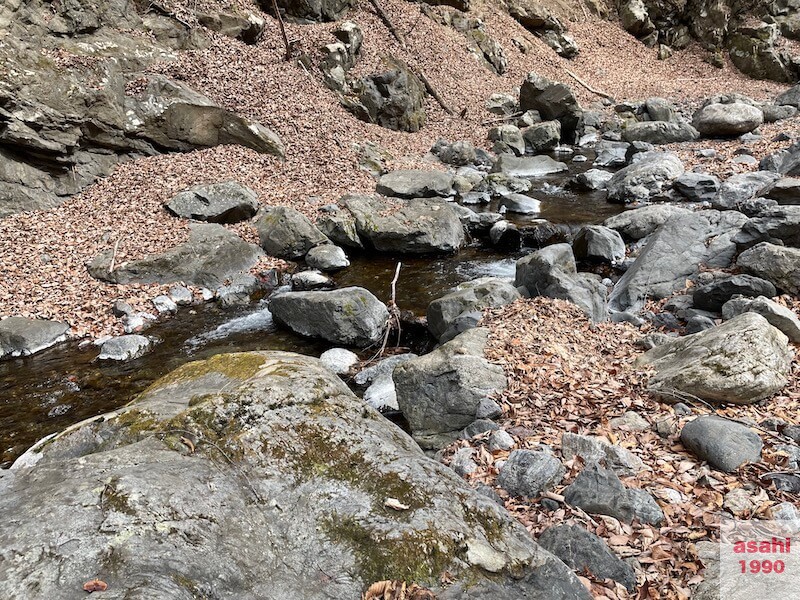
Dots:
(65, 384)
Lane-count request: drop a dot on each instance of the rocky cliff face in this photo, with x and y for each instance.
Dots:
(74, 100)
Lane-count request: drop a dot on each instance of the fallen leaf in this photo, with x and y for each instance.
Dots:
(95, 585)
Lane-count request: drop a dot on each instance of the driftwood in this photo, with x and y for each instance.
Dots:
(588, 87)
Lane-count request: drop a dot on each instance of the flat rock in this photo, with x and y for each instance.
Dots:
(351, 316)
(777, 264)
(778, 225)
(740, 362)
(418, 227)
(210, 256)
(673, 254)
(640, 222)
(125, 347)
(227, 202)
(592, 179)
(440, 392)
(415, 183)
(520, 204)
(725, 444)
(659, 132)
(584, 551)
(741, 187)
(777, 315)
(22, 337)
(527, 166)
(784, 191)
(319, 466)
(698, 187)
(529, 473)
(651, 174)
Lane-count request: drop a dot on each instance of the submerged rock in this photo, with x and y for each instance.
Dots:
(308, 471)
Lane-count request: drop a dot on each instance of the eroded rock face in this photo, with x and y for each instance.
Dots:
(440, 393)
(307, 469)
(741, 361)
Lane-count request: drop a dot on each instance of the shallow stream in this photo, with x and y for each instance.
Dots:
(65, 384)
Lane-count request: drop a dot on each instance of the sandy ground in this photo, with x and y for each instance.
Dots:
(43, 255)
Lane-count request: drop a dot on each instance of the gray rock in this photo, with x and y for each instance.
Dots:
(790, 97)
(597, 449)
(350, 316)
(783, 162)
(611, 154)
(597, 243)
(784, 191)
(599, 491)
(286, 233)
(459, 153)
(22, 337)
(311, 280)
(210, 256)
(505, 236)
(488, 409)
(741, 187)
(698, 323)
(673, 253)
(487, 292)
(239, 291)
(776, 264)
(394, 99)
(527, 166)
(592, 179)
(339, 360)
(503, 105)
(630, 420)
(554, 102)
(777, 315)
(722, 120)
(725, 444)
(713, 295)
(165, 304)
(419, 227)
(551, 272)
(123, 488)
(339, 226)
(542, 137)
(327, 257)
(741, 361)
(324, 10)
(478, 427)
(500, 440)
(659, 132)
(529, 473)
(583, 551)
(181, 295)
(380, 392)
(227, 202)
(440, 393)
(520, 204)
(462, 462)
(698, 187)
(507, 138)
(248, 28)
(640, 222)
(780, 224)
(776, 112)
(125, 347)
(415, 183)
(650, 175)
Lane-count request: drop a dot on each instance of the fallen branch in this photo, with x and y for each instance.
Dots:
(501, 119)
(114, 256)
(283, 30)
(588, 87)
(432, 91)
(393, 320)
(386, 21)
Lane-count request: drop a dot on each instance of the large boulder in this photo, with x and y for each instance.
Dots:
(241, 474)
(440, 393)
(740, 362)
(211, 255)
(418, 227)
(22, 337)
(349, 316)
(416, 183)
(780, 317)
(554, 102)
(754, 51)
(481, 293)
(551, 272)
(394, 99)
(722, 120)
(286, 233)
(650, 174)
(640, 222)
(227, 202)
(674, 253)
(777, 264)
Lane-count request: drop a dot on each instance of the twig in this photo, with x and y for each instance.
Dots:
(432, 91)
(588, 87)
(386, 21)
(392, 319)
(283, 30)
(501, 119)
(114, 256)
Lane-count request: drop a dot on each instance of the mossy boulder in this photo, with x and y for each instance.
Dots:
(253, 472)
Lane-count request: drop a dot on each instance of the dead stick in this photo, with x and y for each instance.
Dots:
(588, 87)
(501, 119)
(386, 21)
(432, 91)
(283, 29)
(394, 283)
(114, 256)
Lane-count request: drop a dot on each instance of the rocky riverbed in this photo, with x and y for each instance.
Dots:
(361, 319)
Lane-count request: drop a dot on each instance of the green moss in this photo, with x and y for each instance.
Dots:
(113, 499)
(414, 556)
(239, 366)
(137, 422)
